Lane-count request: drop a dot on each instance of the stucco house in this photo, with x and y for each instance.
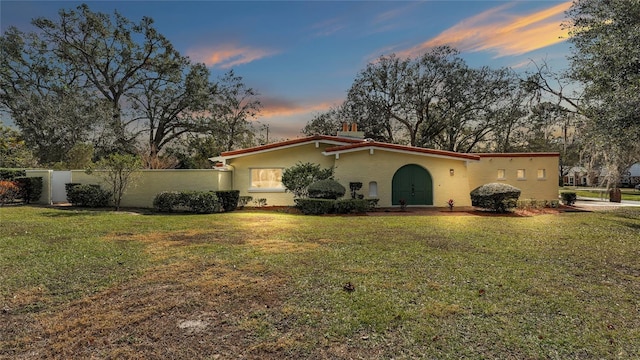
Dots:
(388, 172)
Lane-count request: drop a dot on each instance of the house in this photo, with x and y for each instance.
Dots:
(631, 177)
(579, 176)
(388, 172)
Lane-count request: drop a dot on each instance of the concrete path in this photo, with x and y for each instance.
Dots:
(593, 204)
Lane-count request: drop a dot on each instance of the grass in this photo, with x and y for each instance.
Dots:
(256, 284)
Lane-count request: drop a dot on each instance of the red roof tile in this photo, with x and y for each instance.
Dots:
(290, 143)
(531, 154)
(404, 148)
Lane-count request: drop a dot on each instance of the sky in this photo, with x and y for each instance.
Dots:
(302, 56)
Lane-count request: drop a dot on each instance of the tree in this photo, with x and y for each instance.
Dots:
(80, 156)
(119, 172)
(13, 150)
(112, 55)
(606, 61)
(168, 104)
(233, 106)
(435, 100)
(44, 98)
(297, 178)
(327, 123)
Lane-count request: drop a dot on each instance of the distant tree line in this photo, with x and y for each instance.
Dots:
(589, 113)
(102, 83)
(88, 84)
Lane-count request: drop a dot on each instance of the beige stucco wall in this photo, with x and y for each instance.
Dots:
(148, 183)
(486, 171)
(364, 167)
(282, 158)
(45, 198)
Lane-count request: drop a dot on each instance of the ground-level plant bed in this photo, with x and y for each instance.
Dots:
(270, 285)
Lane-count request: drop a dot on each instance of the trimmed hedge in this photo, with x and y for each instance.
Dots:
(87, 195)
(347, 206)
(229, 199)
(327, 206)
(326, 189)
(199, 202)
(314, 206)
(11, 174)
(497, 197)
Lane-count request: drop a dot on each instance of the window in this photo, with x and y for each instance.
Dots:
(542, 174)
(501, 174)
(266, 179)
(373, 189)
(521, 174)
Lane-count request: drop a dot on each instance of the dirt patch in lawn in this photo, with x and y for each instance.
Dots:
(180, 311)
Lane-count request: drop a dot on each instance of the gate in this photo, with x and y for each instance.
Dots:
(58, 192)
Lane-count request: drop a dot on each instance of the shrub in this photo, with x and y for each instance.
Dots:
(87, 195)
(297, 178)
(244, 200)
(30, 188)
(202, 202)
(568, 197)
(8, 191)
(199, 202)
(346, 206)
(354, 187)
(10, 174)
(314, 206)
(326, 189)
(495, 196)
(69, 186)
(260, 202)
(166, 201)
(229, 199)
(372, 203)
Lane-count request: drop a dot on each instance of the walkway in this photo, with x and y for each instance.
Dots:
(593, 204)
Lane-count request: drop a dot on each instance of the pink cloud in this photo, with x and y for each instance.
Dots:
(503, 33)
(228, 55)
(273, 107)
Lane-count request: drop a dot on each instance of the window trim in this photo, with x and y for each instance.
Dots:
(504, 174)
(524, 174)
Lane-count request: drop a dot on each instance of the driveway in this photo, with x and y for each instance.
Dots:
(593, 204)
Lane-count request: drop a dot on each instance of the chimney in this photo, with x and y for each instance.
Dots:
(350, 131)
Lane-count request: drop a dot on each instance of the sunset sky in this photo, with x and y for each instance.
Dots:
(302, 56)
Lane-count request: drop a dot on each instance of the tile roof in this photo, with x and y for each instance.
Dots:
(288, 143)
(399, 148)
(529, 154)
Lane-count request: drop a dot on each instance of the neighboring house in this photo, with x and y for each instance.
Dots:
(579, 176)
(389, 172)
(632, 176)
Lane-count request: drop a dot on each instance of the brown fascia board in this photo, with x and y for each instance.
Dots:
(289, 143)
(399, 148)
(513, 155)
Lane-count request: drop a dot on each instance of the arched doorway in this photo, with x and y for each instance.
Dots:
(412, 183)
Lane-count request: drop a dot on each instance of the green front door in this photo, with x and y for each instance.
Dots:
(413, 184)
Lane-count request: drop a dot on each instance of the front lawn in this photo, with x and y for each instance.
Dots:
(257, 284)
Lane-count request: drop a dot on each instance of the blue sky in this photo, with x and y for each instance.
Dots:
(302, 56)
